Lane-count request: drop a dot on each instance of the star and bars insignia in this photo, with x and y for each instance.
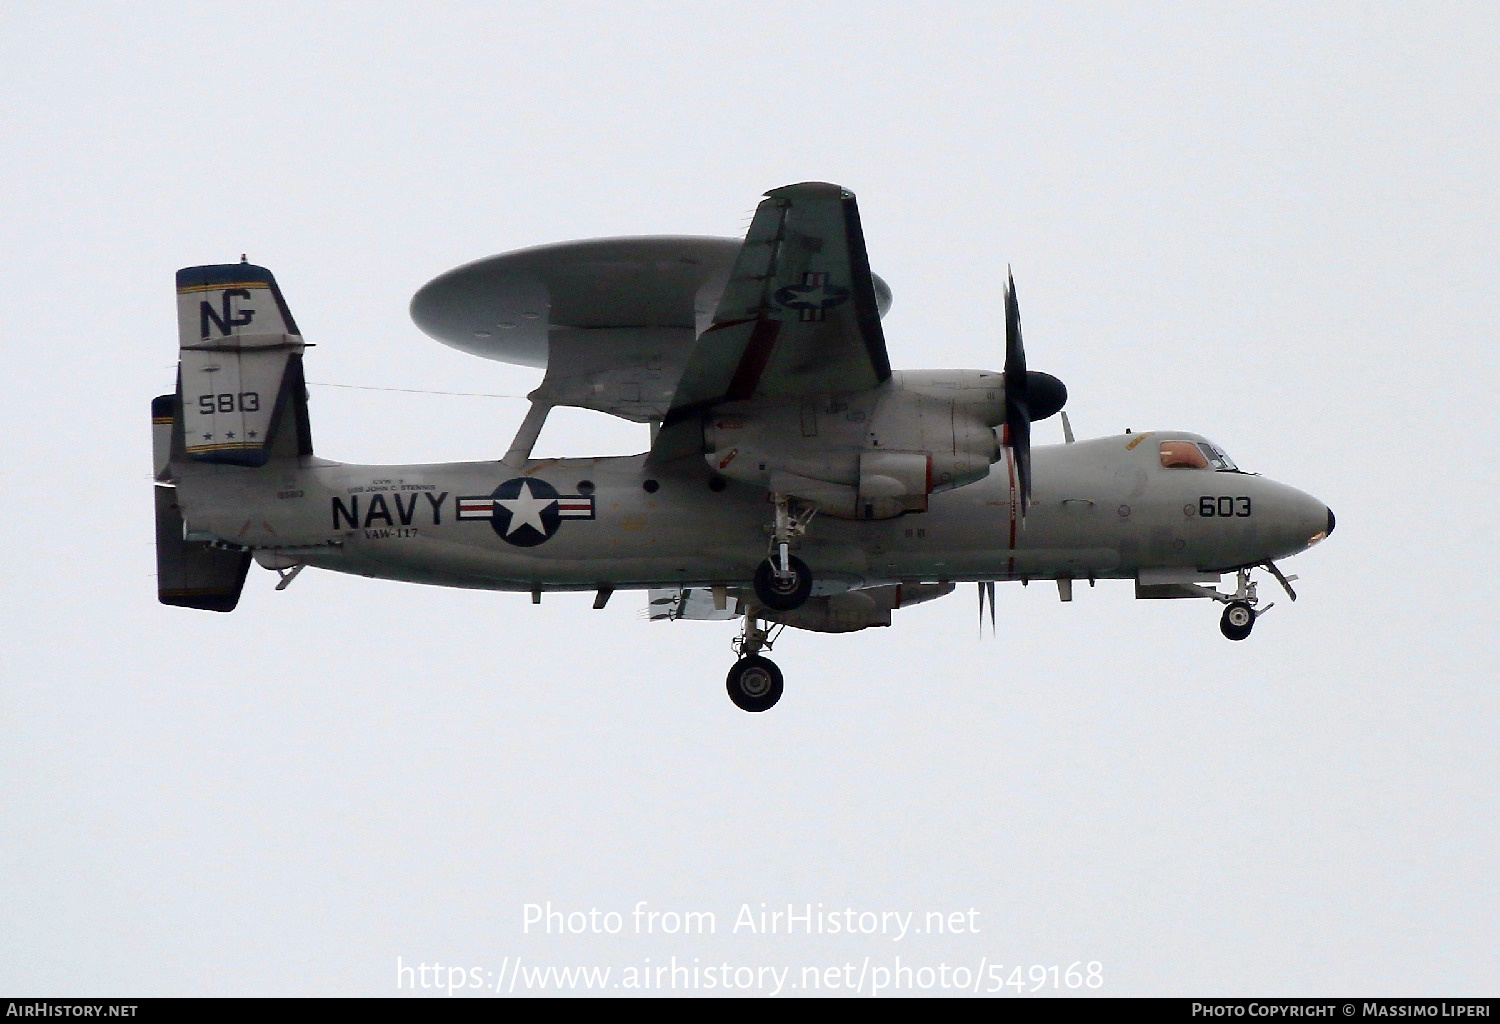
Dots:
(525, 511)
(814, 297)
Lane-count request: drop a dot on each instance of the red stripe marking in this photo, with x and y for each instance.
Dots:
(1010, 472)
(753, 359)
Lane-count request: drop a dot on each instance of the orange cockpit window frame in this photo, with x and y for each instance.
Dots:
(1182, 455)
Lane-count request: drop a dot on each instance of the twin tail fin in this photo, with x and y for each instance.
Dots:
(241, 391)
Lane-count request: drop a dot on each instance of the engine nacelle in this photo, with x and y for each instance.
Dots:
(886, 485)
(966, 455)
(866, 485)
(862, 456)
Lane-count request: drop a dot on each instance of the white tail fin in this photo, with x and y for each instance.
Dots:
(240, 369)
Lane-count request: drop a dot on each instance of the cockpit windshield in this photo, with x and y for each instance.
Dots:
(1195, 455)
(1217, 459)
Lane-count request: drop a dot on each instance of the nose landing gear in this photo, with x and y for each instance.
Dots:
(1240, 606)
(1237, 621)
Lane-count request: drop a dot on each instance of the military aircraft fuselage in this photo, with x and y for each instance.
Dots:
(1111, 507)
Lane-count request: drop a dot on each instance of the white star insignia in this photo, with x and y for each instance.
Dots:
(816, 295)
(526, 509)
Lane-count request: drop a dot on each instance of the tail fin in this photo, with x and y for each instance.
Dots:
(242, 398)
(190, 573)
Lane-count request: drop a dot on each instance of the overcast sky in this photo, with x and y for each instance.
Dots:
(1271, 224)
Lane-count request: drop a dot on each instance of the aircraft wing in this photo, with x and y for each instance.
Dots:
(799, 314)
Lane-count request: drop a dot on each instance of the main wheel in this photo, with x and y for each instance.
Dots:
(754, 683)
(1238, 620)
(783, 593)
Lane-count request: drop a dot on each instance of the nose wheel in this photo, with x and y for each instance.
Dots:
(1237, 621)
(1240, 605)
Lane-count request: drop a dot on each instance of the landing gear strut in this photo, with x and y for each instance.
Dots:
(754, 682)
(783, 581)
(1240, 606)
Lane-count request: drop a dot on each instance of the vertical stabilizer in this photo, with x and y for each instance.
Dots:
(163, 420)
(240, 370)
(191, 574)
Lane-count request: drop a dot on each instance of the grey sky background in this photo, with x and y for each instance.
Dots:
(1272, 224)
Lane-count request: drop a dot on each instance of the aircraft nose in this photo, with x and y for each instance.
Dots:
(1330, 523)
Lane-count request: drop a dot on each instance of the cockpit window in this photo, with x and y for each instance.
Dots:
(1182, 455)
(1217, 459)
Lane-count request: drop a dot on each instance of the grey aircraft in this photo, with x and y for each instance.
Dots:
(793, 478)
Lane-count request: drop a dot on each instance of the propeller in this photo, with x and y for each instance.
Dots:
(1028, 395)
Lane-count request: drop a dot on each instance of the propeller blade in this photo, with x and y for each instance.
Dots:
(1029, 395)
(1019, 434)
(1015, 352)
(986, 589)
(1017, 392)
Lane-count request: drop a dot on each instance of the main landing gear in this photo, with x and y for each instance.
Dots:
(754, 682)
(1239, 607)
(783, 581)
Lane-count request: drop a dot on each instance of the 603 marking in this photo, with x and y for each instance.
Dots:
(1223, 506)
